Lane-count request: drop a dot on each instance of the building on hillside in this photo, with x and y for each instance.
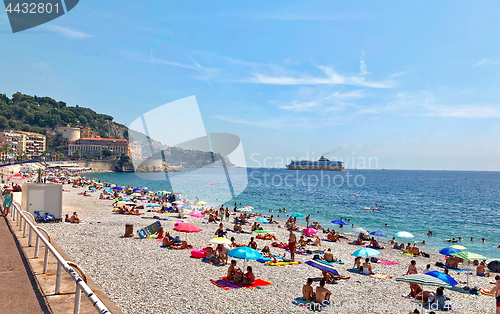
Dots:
(87, 133)
(20, 142)
(69, 133)
(135, 150)
(95, 146)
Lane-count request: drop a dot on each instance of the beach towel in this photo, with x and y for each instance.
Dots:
(384, 262)
(300, 302)
(281, 263)
(329, 263)
(380, 276)
(321, 266)
(226, 285)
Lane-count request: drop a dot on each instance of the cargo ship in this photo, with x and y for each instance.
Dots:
(322, 164)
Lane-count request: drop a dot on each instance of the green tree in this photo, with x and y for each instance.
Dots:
(76, 154)
(3, 122)
(106, 153)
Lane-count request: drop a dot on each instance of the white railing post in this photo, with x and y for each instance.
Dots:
(78, 297)
(46, 259)
(58, 278)
(37, 245)
(30, 237)
(25, 226)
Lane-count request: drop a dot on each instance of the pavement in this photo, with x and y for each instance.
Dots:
(19, 290)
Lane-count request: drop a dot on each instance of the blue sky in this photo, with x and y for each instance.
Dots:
(412, 84)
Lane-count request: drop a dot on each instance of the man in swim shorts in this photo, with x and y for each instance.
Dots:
(291, 244)
(480, 270)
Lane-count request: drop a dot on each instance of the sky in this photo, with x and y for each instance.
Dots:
(410, 85)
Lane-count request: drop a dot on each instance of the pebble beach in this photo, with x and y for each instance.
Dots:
(141, 277)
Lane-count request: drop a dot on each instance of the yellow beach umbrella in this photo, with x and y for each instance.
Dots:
(202, 203)
(459, 247)
(220, 240)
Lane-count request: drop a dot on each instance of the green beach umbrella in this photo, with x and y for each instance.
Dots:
(421, 279)
(466, 255)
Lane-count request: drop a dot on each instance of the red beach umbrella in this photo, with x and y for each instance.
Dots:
(187, 227)
(17, 176)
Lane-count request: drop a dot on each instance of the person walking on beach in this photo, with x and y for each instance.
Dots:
(7, 200)
(292, 240)
(307, 220)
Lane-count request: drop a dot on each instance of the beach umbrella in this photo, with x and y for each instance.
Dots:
(186, 207)
(378, 233)
(468, 256)
(249, 207)
(187, 228)
(220, 240)
(108, 189)
(92, 187)
(117, 188)
(444, 277)
(309, 231)
(153, 205)
(459, 247)
(196, 214)
(177, 202)
(494, 266)
(136, 190)
(202, 203)
(264, 231)
(447, 251)
(264, 220)
(360, 230)
(297, 215)
(340, 222)
(245, 252)
(243, 209)
(126, 199)
(17, 176)
(403, 234)
(365, 252)
(421, 279)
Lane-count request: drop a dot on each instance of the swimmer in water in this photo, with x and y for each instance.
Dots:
(471, 238)
(429, 233)
(483, 240)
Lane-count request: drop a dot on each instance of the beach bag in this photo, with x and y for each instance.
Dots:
(374, 260)
(439, 264)
(238, 277)
(425, 254)
(316, 256)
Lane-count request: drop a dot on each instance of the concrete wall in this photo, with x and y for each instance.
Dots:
(71, 134)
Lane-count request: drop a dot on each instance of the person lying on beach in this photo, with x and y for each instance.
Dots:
(425, 296)
(237, 228)
(480, 270)
(231, 271)
(74, 218)
(181, 246)
(84, 193)
(234, 244)
(374, 244)
(331, 277)
(307, 291)
(267, 236)
(248, 277)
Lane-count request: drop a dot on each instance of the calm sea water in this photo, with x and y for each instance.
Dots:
(449, 203)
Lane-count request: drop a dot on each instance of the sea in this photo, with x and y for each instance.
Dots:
(451, 204)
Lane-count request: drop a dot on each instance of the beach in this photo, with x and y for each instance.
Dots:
(141, 277)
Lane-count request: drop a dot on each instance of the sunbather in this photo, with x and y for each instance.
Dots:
(367, 267)
(159, 233)
(374, 244)
(307, 291)
(357, 262)
(181, 246)
(248, 277)
(322, 294)
(231, 271)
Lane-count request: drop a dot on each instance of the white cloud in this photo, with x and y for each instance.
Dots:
(333, 102)
(68, 32)
(487, 61)
(331, 77)
(463, 111)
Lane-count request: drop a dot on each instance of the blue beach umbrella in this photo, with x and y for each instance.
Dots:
(153, 205)
(108, 189)
(186, 207)
(365, 252)
(447, 251)
(245, 252)
(444, 277)
(378, 233)
(263, 220)
(117, 188)
(340, 222)
(297, 215)
(126, 199)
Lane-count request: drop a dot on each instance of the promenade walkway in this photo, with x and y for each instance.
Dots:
(19, 292)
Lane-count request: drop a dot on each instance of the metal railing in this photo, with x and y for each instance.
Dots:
(18, 214)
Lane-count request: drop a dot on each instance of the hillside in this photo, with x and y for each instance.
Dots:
(43, 114)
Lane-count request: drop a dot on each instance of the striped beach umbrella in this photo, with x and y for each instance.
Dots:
(421, 279)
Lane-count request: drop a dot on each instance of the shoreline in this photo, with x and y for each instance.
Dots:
(164, 276)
